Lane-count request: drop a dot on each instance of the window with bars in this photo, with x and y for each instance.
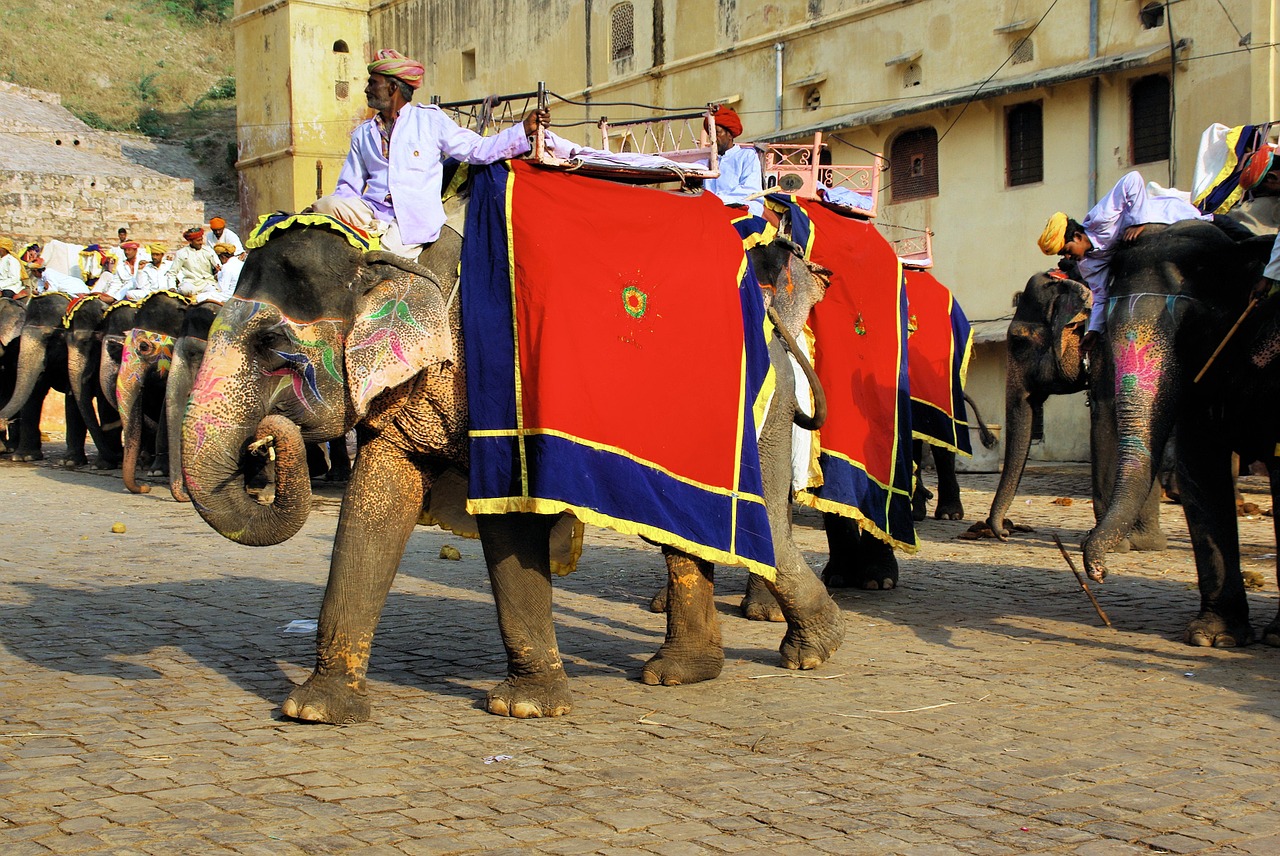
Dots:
(1023, 51)
(913, 165)
(622, 32)
(1024, 144)
(1149, 125)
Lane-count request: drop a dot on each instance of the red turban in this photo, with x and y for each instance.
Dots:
(728, 119)
(217, 223)
(130, 245)
(395, 64)
(193, 233)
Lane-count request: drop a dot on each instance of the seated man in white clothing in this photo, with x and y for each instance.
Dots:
(153, 277)
(391, 182)
(740, 172)
(220, 234)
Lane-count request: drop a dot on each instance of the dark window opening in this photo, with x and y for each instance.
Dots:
(1152, 16)
(1149, 119)
(1024, 144)
(622, 32)
(913, 165)
(340, 47)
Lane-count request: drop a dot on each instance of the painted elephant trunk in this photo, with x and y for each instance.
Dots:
(1146, 398)
(186, 361)
(132, 420)
(31, 356)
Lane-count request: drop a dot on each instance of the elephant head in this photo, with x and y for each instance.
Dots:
(1174, 293)
(85, 322)
(42, 352)
(315, 334)
(117, 323)
(1044, 359)
(144, 371)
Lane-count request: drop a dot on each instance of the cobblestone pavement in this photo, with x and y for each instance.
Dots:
(979, 708)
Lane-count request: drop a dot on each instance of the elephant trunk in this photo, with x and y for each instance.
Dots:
(1018, 411)
(225, 405)
(187, 355)
(31, 358)
(819, 417)
(1146, 397)
(132, 420)
(83, 378)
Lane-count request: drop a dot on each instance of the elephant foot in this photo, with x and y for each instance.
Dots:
(1213, 631)
(1271, 635)
(920, 503)
(27, 457)
(106, 464)
(531, 696)
(75, 462)
(159, 467)
(1144, 541)
(659, 602)
(675, 665)
(811, 643)
(338, 474)
(759, 604)
(875, 569)
(949, 510)
(330, 699)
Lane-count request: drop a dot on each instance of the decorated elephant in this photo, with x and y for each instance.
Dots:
(42, 366)
(144, 373)
(1045, 360)
(12, 315)
(1175, 293)
(85, 323)
(949, 505)
(321, 336)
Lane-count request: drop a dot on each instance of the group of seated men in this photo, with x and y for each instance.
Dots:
(129, 270)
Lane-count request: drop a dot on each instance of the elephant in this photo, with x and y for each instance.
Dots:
(42, 366)
(1176, 291)
(188, 353)
(144, 373)
(949, 506)
(1044, 360)
(86, 322)
(12, 315)
(276, 372)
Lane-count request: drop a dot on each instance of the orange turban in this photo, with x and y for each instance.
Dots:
(728, 119)
(395, 64)
(217, 223)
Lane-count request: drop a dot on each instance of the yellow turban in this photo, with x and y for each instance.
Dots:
(1054, 236)
(156, 248)
(229, 249)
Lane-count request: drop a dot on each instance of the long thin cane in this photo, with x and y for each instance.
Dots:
(1227, 338)
(1080, 579)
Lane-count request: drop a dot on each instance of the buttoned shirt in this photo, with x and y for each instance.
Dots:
(740, 176)
(405, 187)
(1128, 204)
(10, 273)
(150, 279)
(195, 270)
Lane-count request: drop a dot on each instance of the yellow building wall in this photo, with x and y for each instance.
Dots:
(855, 53)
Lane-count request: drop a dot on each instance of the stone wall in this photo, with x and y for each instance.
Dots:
(61, 179)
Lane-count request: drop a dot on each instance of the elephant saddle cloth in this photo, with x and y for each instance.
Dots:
(939, 342)
(860, 356)
(615, 352)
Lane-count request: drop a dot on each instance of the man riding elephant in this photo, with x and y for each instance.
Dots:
(391, 181)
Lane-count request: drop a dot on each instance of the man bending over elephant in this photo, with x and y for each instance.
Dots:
(1118, 216)
(390, 184)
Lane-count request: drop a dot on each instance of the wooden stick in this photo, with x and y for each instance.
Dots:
(1227, 338)
(1080, 579)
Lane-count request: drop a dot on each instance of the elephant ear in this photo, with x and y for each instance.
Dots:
(400, 327)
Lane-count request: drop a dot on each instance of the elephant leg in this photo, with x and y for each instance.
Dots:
(29, 445)
(949, 505)
(920, 496)
(1271, 635)
(1207, 498)
(759, 604)
(692, 651)
(857, 559)
(77, 431)
(339, 461)
(1146, 533)
(159, 466)
(517, 551)
(317, 465)
(815, 625)
(379, 511)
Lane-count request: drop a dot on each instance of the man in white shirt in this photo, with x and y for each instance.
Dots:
(229, 274)
(10, 270)
(126, 271)
(740, 173)
(153, 277)
(220, 234)
(195, 267)
(390, 184)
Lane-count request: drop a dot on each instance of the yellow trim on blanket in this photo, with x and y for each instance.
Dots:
(828, 507)
(1233, 199)
(515, 329)
(502, 505)
(622, 453)
(934, 441)
(760, 408)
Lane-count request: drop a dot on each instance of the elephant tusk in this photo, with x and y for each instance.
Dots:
(265, 446)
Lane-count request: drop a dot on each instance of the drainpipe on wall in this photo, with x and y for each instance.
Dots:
(1093, 109)
(777, 98)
